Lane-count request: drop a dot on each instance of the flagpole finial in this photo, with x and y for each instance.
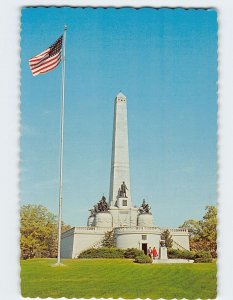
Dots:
(65, 27)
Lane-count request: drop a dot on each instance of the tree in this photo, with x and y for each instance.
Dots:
(193, 227)
(109, 240)
(166, 236)
(203, 233)
(38, 228)
(209, 230)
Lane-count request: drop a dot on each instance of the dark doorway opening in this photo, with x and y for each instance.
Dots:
(144, 248)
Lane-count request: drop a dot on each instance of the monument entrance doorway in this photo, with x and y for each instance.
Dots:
(144, 248)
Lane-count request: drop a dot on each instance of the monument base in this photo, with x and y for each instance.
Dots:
(163, 253)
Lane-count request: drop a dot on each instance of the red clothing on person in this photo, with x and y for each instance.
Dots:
(154, 251)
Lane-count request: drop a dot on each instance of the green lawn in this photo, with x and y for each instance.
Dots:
(116, 278)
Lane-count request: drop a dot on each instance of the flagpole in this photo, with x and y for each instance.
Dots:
(61, 146)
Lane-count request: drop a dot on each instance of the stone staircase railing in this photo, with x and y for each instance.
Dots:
(179, 247)
(97, 244)
(174, 230)
(137, 228)
(92, 229)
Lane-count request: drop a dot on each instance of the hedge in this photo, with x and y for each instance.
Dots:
(198, 256)
(176, 253)
(202, 257)
(143, 259)
(132, 252)
(140, 257)
(110, 253)
(102, 253)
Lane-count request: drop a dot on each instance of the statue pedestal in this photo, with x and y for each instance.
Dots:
(163, 253)
(103, 219)
(91, 221)
(123, 202)
(145, 220)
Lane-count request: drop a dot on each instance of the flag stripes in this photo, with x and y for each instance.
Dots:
(47, 60)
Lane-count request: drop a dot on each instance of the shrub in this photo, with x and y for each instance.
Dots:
(202, 257)
(197, 256)
(102, 253)
(176, 253)
(143, 259)
(132, 253)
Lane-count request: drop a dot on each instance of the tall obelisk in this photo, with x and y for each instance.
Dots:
(120, 174)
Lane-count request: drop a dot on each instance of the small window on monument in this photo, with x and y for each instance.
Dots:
(124, 203)
(144, 237)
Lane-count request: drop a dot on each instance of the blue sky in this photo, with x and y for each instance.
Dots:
(165, 62)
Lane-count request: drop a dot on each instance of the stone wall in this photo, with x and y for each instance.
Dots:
(180, 238)
(78, 239)
(135, 237)
(67, 243)
(124, 217)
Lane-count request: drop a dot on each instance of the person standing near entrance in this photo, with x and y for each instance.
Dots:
(154, 253)
(149, 252)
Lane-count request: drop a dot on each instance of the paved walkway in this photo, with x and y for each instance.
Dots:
(173, 261)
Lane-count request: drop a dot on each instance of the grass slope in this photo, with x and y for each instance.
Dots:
(117, 278)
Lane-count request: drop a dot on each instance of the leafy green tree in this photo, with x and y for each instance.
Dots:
(193, 226)
(203, 233)
(209, 230)
(38, 228)
(194, 229)
(167, 237)
(109, 240)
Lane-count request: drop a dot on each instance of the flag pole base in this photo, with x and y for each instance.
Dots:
(58, 265)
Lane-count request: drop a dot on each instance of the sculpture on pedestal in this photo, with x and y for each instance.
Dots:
(101, 206)
(92, 211)
(162, 243)
(144, 208)
(122, 190)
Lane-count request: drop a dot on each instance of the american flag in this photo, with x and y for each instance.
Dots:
(48, 59)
